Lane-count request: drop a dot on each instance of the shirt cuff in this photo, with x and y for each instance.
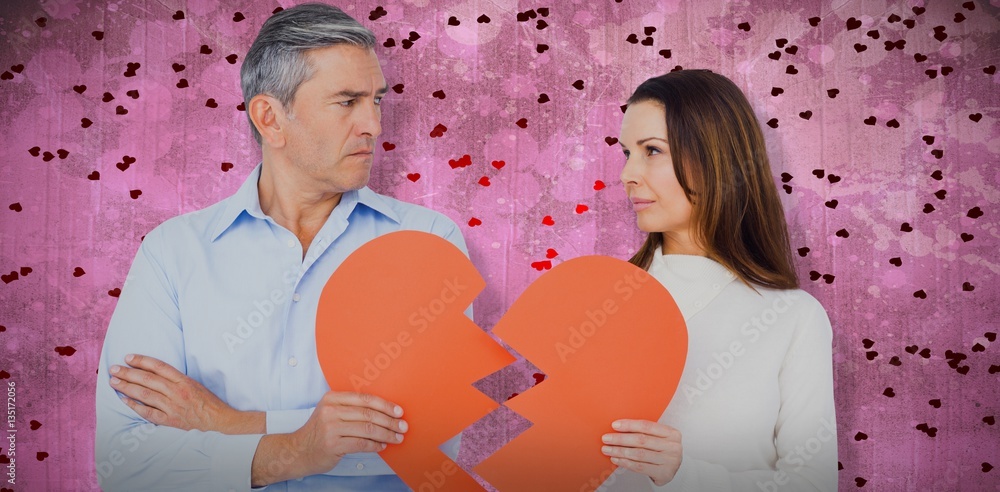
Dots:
(232, 459)
(286, 421)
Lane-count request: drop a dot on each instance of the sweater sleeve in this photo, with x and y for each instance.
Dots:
(805, 433)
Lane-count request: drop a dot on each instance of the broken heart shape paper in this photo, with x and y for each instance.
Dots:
(609, 338)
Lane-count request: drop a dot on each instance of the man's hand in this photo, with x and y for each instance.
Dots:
(342, 423)
(165, 396)
(650, 448)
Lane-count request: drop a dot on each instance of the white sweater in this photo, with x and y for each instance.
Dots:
(755, 401)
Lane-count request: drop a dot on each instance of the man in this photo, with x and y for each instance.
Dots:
(209, 378)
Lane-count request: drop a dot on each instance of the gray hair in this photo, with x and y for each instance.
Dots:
(277, 65)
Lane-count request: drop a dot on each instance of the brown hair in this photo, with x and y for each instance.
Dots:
(720, 160)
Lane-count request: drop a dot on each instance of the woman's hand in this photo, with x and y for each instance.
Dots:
(645, 447)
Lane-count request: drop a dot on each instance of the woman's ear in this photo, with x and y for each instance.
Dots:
(267, 114)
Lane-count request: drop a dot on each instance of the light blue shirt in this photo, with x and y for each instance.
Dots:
(224, 295)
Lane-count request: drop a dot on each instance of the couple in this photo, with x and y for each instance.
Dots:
(189, 399)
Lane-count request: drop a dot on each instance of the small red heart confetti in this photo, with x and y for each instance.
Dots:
(920, 294)
(25, 271)
(10, 277)
(581, 208)
(122, 165)
(226, 166)
(205, 50)
(238, 17)
(35, 425)
(464, 161)
(85, 123)
(134, 194)
(453, 21)
(889, 392)
(975, 117)
(178, 15)
(80, 89)
(598, 185)
(803, 251)
(498, 164)
(413, 177)
(484, 181)
(547, 220)
(94, 176)
(967, 287)
(115, 292)
(974, 213)
(35, 151)
(48, 156)
(853, 24)
(438, 131)
(98, 35)
(121, 110)
(897, 261)
(232, 58)
(211, 103)
(473, 222)
(178, 67)
(541, 265)
(16, 206)
(182, 83)
(551, 253)
(41, 455)
(78, 272)
(65, 351)
(578, 85)
(523, 123)
(966, 237)
(386, 146)
(439, 94)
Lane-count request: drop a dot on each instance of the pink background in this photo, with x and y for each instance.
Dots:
(56, 221)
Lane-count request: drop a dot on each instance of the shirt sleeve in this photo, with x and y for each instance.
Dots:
(132, 453)
(806, 429)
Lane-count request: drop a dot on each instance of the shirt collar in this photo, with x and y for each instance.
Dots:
(247, 199)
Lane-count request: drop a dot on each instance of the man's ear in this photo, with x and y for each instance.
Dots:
(267, 114)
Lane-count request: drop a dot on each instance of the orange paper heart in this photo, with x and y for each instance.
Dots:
(609, 337)
(612, 344)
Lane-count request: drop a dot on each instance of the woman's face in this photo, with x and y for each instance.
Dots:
(650, 182)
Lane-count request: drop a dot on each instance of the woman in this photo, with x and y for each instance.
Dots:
(754, 408)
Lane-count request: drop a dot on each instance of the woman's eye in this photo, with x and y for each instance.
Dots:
(627, 153)
(652, 150)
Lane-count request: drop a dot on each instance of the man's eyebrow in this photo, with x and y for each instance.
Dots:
(353, 94)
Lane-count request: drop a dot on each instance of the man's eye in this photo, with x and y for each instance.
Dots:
(348, 103)
(378, 100)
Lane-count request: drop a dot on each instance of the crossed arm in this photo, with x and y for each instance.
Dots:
(342, 423)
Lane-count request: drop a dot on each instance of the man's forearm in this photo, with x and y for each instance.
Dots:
(246, 423)
(276, 460)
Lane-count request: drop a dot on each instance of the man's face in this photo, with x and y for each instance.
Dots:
(334, 119)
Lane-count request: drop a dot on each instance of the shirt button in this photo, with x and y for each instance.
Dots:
(296, 297)
(361, 466)
(291, 243)
(293, 362)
